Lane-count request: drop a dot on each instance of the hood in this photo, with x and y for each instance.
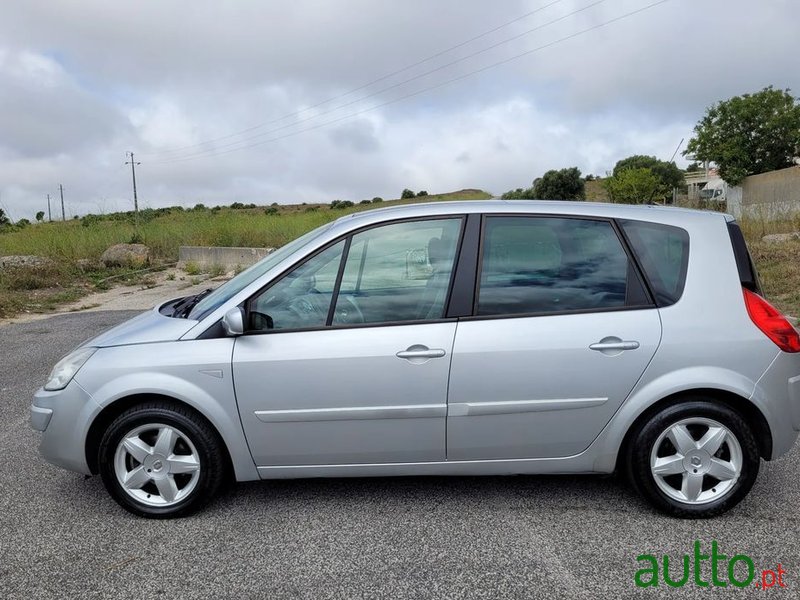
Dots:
(146, 328)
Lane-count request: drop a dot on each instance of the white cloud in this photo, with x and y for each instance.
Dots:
(82, 83)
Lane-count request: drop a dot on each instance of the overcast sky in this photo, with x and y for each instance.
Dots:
(310, 101)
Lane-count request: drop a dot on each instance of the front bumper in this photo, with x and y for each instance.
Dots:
(64, 418)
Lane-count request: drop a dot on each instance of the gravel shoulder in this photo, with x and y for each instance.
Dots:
(161, 286)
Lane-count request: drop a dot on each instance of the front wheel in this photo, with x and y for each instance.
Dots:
(160, 460)
(695, 459)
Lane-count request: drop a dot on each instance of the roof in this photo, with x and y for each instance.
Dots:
(644, 212)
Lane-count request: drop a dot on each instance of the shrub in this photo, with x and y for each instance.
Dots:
(407, 193)
(422, 193)
(366, 202)
(377, 199)
(339, 204)
(271, 211)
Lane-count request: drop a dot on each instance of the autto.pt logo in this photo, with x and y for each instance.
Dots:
(705, 568)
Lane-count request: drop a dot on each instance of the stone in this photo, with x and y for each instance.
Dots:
(126, 255)
(777, 238)
(20, 260)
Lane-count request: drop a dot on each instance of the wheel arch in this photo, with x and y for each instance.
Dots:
(751, 414)
(110, 412)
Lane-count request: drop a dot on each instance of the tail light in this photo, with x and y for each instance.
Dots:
(769, 320)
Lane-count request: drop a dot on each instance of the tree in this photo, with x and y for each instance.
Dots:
(4, 220)
(668, 174)
(565, 184)
(40, 216)
(519, 194)
(422, 193)
(634, 186)
(407, 193)
(694, 167)
(748, 134)
(23, 223)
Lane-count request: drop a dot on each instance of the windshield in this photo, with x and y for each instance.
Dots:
(228, 290)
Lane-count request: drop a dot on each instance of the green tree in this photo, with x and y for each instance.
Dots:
(4, 220)
(749, 134)
(40, 216)
(694, 167)
(564, 184)
(667, 173)
(634, 186)
(407, 193)
(23, 223)
(519, 194)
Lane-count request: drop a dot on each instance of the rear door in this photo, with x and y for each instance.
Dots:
(563, 327)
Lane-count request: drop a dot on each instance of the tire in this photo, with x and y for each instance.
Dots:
(699, 476)
(172, 460)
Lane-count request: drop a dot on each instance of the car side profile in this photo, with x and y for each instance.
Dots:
(459, 338)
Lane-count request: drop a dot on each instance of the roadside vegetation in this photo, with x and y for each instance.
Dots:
(72, 248)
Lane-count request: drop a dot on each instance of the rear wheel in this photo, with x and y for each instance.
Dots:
(160, 460)
(694, 459)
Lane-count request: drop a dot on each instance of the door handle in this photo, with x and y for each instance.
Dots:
(418, 351)
(620, 345)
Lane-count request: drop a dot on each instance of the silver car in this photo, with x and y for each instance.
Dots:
(464, 338)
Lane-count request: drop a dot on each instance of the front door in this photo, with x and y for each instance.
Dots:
(347, 356)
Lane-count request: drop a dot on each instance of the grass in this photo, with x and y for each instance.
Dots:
(87, 238)
(163, 231)
(42, 289)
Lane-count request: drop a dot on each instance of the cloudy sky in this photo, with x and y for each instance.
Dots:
(313, 100)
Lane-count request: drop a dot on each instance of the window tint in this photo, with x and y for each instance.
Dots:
(548, 264)
(300, 299)
(663, 251)
(398, 272)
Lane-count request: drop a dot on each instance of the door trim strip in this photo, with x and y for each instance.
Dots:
(479, 409)
(352, 413)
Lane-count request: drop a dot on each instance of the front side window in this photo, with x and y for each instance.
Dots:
(395, 272)
(541, 265)
(398, 272)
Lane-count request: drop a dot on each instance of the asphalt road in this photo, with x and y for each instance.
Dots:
(515, 537)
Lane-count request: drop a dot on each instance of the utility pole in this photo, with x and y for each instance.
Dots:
(63, 214)
(49, 215)
(135, 198)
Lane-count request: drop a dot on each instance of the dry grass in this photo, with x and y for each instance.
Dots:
(40, 290)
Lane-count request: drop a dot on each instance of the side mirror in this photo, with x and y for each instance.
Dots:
(233, 322)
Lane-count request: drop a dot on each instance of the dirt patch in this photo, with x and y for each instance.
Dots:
(157, 288)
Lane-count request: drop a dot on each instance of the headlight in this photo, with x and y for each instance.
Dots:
(66, 368)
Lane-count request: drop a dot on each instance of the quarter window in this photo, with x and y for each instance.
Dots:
(540, 265)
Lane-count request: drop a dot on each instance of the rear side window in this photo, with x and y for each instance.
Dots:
(542, 265)
(663, 252)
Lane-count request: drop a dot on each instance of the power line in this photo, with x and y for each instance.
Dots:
(426, 89)
(213, 151)
(360, 87)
